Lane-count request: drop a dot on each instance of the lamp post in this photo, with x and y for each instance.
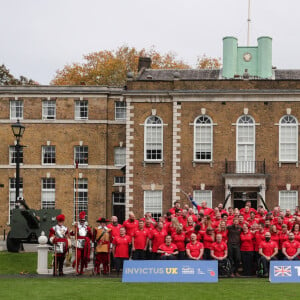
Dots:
(18, 130)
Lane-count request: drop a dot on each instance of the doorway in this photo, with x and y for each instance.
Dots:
(240, 198)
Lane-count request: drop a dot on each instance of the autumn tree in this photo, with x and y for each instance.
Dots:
(110, 67)
(210, 63)
(6, 78)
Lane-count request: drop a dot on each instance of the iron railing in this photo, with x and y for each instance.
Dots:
(245, 167)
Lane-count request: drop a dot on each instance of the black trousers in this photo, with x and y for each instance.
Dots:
(171, 257)
(206, 254)
(156, 256)
(119, 261)
(266, 263)
(59, 263)
(138, 254)
(234, 255)
(181, 255)
(247, 262)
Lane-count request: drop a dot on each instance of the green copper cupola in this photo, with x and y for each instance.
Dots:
(256, 60)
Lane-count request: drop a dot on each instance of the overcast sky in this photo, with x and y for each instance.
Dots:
(37, 37)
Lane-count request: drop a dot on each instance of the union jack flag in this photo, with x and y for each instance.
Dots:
(283, 271)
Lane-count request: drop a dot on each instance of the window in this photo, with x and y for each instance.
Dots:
(16, 109)
(13, 155)
(81, 154)
(48, 193)
(119, 180)
(153, 203)
(12, 194)
(120, 156)
(245, 139)
(49, 110)
(120, 110)
(119, 206)
(81, 110)
(200, 196)
(153, 139)
(80, 196)
(288, 139)
(203, 138)
(48, 155)
(288, 200)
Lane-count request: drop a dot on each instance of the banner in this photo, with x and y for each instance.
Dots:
(170, 271)
(284, 271)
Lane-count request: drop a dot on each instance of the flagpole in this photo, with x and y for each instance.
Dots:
(76, 208)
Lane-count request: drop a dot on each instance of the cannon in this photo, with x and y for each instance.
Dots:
(26, 225)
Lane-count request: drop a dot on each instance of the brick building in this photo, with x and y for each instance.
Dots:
(222, 134)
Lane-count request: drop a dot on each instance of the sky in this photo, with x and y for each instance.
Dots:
(38, 37)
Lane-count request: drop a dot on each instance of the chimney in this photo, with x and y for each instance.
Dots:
(144, 62)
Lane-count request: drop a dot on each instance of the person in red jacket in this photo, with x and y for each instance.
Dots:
(268, 250)
(58, 237)
(114, 226)
(194, 249)
(208, 239)
(131, 224)
(83, 236)
(291, 248)
(247, 249)
(179, 238)
(168, 250)
(156, 238)
(219, 252)
(139, 241)
(121, 249)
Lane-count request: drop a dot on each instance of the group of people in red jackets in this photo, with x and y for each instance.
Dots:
(242, 241)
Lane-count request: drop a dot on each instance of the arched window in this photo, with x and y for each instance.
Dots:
(203, 138)
(153, 143)
(288, 138)
(245, 144)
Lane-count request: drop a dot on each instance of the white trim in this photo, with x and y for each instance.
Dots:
(211, 135)
(279, 142)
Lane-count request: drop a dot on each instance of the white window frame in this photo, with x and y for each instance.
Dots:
(44, 152)
(115, 202)
(120, 156)
(156, 210)
(12, 195)
(119, 180)
(197, 130)
(48, 193)
(203, 195)
(12, 154)
(83, 201)
(47, 106)
(147, 127)
(244, 166)
(281, 126)
(81, 105)
(283, 194)
(120, 110)
(81, 150)
(13, 109)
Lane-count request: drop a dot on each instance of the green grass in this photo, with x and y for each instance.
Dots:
(91, 288)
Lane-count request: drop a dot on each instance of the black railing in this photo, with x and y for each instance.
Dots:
(245, 167)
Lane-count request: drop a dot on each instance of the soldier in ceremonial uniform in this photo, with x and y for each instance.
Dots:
(83, 246)
(102, 237)
(58, 237)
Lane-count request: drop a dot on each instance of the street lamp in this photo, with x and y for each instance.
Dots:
(18, 131)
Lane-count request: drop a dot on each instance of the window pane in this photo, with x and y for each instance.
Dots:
(153, 203)
(49, 109)
(49, 154)
(12, 194)
(81, 110)
(81, 155)
(201, 196)
(13, 155)
(120, 156)
(80, 197)
(203, 138)
(153, 138)
(16, 109)
(48, 193)
(120, 110)
(288, 200)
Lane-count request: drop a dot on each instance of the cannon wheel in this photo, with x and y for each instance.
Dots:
(13, 245)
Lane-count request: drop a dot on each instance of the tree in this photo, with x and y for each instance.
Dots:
(8, 79)
(110, 67)
(205, 62)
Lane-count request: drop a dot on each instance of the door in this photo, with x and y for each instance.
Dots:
(119, 206)
(240, 198)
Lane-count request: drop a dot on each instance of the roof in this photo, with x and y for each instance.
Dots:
(199, 74)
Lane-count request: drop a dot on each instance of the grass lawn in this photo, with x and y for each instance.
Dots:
(89, 288)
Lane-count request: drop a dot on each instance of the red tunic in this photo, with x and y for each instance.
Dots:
(122, 246)
(247, 241)
(179, 240)
(268, 247)
(291, 247)
(168, 249)
(157, 237)
(194, 248)
(140, 239)
(219, 249)
(130, 226)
